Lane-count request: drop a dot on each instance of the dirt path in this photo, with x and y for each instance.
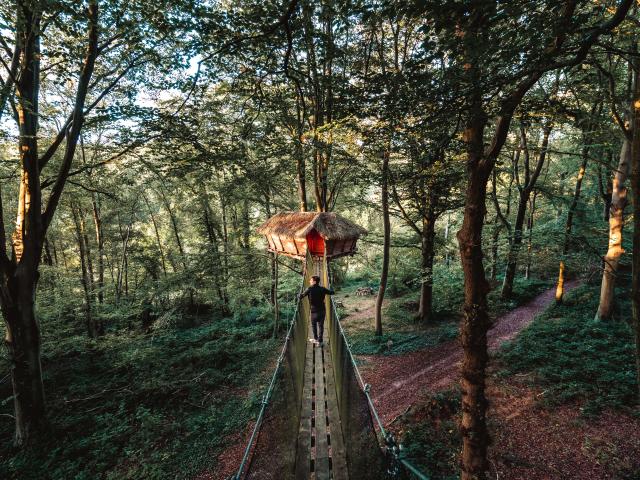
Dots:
(397, 382)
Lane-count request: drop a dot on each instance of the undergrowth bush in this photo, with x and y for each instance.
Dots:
(432, 441)
(132, 405)
(576, 358)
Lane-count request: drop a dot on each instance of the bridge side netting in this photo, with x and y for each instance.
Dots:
(274, 453)
(365, 458)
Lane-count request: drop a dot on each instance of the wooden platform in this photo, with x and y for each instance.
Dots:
(321, 453)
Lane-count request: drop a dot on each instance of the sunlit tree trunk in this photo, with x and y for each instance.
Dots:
(569, 224)
(635, 187)
(19, 274)
(19, 277)
(384, 194)
(616, 223)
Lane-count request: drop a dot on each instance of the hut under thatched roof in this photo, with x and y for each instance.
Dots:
(293, 233)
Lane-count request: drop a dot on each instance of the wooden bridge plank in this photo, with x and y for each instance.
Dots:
(338, 450)
(322, 471)
(303, 453)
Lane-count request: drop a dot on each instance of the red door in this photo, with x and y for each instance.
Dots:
(315, 243)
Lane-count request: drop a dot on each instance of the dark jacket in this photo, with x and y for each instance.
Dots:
(316, 295)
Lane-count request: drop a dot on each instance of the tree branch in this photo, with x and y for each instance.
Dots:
(78, 114)
(533, 75)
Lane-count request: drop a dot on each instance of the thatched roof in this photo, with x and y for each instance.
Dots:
(329, 225)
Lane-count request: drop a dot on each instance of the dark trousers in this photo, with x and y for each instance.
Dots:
(317, 323)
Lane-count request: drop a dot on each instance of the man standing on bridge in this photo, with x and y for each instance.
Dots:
(316, 294)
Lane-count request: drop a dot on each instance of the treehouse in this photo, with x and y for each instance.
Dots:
(320, 233)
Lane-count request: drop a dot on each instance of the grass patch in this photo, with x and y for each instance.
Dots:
(397, 343)
(576, 358)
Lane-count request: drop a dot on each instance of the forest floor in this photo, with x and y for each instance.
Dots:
(434, 369)
(576, 420)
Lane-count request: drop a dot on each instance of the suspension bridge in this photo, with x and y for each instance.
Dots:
(317, 419)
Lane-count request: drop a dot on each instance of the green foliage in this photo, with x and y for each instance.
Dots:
(574, 357)
(433, 439)
(142, 406)
(397, 343)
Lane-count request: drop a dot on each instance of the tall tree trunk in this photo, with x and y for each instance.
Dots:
(97, 223)
(19, 275)
(86, 282)
(48, 259)
(616, 223)
(569, 224)
(427, 254)
(532, 211)
(246, 226)
(274, 293)
(606, 189)
(174, 227)
(475, 322)
(156, 231)
(495, 238)
(218, 274)
(384, 275)
(501, 221)
(225, 240)
(525, 192)
(447, 230)
(301, 174)
(123, 262)
(514, 246)
(87, 249)
(635, 187)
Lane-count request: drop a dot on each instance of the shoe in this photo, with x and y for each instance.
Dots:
(312, 340)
